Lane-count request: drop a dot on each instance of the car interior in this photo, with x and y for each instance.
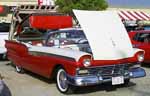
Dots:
(31, 35)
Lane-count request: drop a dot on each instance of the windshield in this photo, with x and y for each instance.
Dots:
(75, 34)
(67, 34)
(66, 37)
(70, 39)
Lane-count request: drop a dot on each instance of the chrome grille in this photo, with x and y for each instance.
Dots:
(109, 71)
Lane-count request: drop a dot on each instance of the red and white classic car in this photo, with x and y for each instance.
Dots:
(110, 58)
(141, 39)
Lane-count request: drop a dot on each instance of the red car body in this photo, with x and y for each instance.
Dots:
(141, 42)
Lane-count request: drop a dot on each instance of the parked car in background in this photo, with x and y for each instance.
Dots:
(141, 39)
(4, 31)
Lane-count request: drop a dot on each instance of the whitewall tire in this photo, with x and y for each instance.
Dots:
(19, 69)
(61, 82)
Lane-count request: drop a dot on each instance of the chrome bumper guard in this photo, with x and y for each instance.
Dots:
(94, 79)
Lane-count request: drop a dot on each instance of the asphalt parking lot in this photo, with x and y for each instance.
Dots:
(29, 84)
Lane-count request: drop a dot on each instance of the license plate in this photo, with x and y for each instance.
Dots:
(117, 80)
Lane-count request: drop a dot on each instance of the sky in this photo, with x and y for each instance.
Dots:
(130, 3)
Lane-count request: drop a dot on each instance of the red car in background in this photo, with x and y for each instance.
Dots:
(141, 39)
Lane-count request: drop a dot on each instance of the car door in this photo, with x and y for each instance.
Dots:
(40, 62)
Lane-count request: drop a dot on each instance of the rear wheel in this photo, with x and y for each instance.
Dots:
(4, 57)
(61, 82)
(19, 69)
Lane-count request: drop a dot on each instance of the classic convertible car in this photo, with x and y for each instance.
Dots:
(76, 57)
(141, 39)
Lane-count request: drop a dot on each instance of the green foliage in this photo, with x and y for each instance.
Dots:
(66, 6)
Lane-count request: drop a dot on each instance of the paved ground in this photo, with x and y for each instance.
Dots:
(29, 84)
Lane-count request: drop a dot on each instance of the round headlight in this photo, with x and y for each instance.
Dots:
(86, 62)
(140, 57)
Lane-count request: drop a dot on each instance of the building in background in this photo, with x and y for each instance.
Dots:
(46, 2)
(5, 14)
(113, 5)
(20, 2)
(17, 2)
(133, 13)
(11, 4)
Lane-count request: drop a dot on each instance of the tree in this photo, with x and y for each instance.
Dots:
(66, 6)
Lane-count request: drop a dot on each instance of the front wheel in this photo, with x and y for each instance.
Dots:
(61, 82)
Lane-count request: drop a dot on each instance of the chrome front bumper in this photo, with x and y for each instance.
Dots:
(94, 79)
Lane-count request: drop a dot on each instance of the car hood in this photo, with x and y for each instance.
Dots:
(106, 34)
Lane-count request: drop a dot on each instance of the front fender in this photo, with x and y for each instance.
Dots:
(135, 50)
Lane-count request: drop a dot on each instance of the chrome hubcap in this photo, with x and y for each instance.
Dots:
(63, 80)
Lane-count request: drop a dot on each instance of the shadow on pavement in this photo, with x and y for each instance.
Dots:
(85, 90)
(147, 65)
(102, 87)
(49, 81)
(34, 75)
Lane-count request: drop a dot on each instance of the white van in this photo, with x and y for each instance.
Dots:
(4, 31)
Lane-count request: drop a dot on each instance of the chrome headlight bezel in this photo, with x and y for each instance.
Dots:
(87, 62)
(140, 57)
